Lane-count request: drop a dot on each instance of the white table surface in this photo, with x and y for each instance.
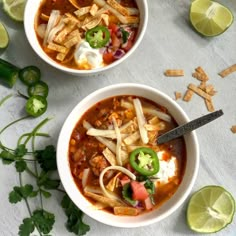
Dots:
(169, 42)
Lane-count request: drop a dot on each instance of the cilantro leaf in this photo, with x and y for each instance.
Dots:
(26, 228)
(46, 182)
(20, 166)
(46, 194)
(127, 194)
(7, 157)
(14, 197)
(125, 35)
(74, 222)
(47, 158)
(44, 220)
(19, 193)
(21, 150)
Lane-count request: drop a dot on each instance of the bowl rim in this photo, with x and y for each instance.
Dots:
(70, 185)
(29, 21)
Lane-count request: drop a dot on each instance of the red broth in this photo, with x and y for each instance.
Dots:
(86, 152)
(62, 38)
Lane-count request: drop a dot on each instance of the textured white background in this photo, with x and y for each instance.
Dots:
(169, 42)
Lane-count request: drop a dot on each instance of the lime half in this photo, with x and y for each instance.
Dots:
(14, 8)
(4, 38)
(210, 18)
(210, 209)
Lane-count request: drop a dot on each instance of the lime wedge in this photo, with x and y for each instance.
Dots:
(210, 18)
(210, 209)
(4, 38)
(15, 9)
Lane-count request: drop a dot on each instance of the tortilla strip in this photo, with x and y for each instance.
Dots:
(202, 85)
(202, 72)
(228, 71)
(66, 30)
(210, 89)
(61, 56)
(105, 19)
(44, 17)
(91, 24)
(113, 183)
(122, 210)
(199, 91)
(118, 7)
(188, 95)
(102, 199)
(233, 129)
(199, 76)
(132, 138)
(71, 42)
(174, 72)
(209, 105)
(57, 48)
(82, 11)
(108, 154)
(178, 95)
(93, 10)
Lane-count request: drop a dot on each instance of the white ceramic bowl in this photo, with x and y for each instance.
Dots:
(31, 9)
(169, 206)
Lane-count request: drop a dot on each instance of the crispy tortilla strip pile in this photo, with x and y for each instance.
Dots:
(70, 28)
(123, 14)
(228, 71)
(204, 90)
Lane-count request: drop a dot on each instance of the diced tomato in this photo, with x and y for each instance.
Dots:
(148, 203)
(124, 180)
(114, 28)
(139, 191)
(108, 58)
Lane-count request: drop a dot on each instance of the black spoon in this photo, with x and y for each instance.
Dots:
(188, 127)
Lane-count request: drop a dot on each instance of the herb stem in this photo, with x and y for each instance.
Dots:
(28, 134)
(26, 202)
(31, 172)
(5, 98)
(33, 135)
(34, 132)
(60, 190)
(12, 123)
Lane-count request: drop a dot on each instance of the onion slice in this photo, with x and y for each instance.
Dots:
(51, 23)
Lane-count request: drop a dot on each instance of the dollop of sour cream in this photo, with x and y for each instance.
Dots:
(87, 57)
(168, 169)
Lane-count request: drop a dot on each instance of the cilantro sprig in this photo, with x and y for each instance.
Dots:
(41, 165)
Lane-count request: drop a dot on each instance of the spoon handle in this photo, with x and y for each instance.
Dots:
(190, 126)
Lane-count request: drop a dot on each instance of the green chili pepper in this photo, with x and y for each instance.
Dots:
(98, 36)
(40, 88)
(36, 105)
(30, 75)
(8, 73)
(144, 161)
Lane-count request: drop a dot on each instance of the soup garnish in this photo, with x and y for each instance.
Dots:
(115, 160)
(91, 35)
